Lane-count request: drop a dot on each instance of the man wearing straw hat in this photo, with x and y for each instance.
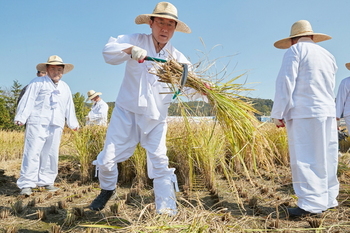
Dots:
(39, 73)
(304, 101)
(343, 100)
(44, 107)
(99, 110)
(141, 109)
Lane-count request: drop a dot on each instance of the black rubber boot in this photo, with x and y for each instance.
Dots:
(101, 200)
(299, 212)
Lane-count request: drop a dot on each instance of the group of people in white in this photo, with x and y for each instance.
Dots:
(304, 103)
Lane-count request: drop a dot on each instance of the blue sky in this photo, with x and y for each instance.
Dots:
(77, 31)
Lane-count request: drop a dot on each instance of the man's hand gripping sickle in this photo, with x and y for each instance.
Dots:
(279, 122)
(138, 54)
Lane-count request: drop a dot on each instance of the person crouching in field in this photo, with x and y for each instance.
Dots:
(44, 107)
(304, 100)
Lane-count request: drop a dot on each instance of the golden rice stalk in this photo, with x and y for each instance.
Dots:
(248, 147)
(229, 106)
(88, 142)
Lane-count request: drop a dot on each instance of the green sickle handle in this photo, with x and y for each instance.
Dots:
(152, 59)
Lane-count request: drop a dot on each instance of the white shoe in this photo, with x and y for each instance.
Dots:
(26, 191)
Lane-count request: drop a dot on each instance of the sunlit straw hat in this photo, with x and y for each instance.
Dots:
(347, 65)
(164, 10)
(92, 94)
(301, 28)
(55, 61)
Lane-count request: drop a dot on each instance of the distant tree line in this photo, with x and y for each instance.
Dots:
(9, 98)
(264, 106)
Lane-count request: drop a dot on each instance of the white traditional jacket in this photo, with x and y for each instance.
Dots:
(98, 113)
(343, 98)
(46, 103)
(305, 83)
(140, 91)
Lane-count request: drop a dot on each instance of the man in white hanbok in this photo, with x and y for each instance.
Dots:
(99, 111)
(141, 109)
(45, 106)
(304, 100)
(343, 100)
(39, 74)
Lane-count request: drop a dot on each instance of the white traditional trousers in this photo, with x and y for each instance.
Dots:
(125, 131)
(40, 156)
(313, 148)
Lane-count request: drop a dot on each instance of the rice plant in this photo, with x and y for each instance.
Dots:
(12, 143)
(88, 142)
(195, 148)
(248, 148)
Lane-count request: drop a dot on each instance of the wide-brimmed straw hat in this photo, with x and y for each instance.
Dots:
(301, 28)
(164, 10)
(347, 65)
(92, 94)
(55, 60)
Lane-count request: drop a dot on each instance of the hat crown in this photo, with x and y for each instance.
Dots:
(91, 93)
(54, 59)
(165, 8)
(301, 27)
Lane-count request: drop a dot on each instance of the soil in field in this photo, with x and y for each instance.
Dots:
(251, 203)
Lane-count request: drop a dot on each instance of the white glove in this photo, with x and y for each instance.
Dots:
(138, 54)
(278, 122)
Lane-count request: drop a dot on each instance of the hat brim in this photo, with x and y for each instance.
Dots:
(180, 27)
(286, 43)
(67, 67)
(94, 95)
(347, 65)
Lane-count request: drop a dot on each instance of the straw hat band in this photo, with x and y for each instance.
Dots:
(168, 14)
(92, 94)
(303, 32)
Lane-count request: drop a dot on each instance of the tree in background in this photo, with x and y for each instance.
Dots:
(8, 106)
(5, 120)
(81, 110)
(110, 110)
(264, 106)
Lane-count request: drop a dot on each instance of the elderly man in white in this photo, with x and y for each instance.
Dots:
(99, 111)
(45, 107)
(304, 100)
(343, 100)
(141, 107)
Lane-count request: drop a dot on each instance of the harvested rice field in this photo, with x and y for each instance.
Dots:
(255, 204)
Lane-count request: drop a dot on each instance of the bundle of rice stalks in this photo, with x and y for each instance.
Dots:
(248, 147)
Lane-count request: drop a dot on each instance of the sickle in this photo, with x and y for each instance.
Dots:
(183, 78)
